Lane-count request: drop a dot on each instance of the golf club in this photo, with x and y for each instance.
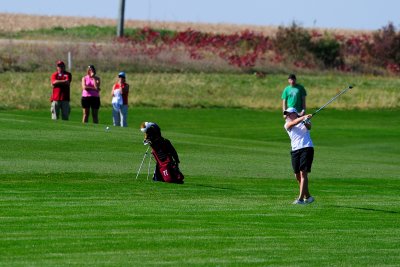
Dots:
(330, 101)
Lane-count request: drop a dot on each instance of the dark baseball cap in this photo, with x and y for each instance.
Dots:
(292, 76)
(60, 63)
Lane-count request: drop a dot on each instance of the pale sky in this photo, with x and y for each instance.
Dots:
(346, 14)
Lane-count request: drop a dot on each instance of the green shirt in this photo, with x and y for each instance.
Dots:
(294, 96)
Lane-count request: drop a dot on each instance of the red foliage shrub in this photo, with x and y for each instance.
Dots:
(240, 49)
(385, 49)
(291, 47)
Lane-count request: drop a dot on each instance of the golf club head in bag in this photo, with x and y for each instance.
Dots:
(151, 131)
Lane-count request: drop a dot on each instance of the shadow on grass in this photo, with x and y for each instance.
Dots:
(367, 209)
(213, 187)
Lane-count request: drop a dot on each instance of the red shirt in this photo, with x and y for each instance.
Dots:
(61, 92)
(124, 94)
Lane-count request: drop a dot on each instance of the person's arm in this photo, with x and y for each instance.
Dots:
(289, 125)
(284, 102)
(125, 90)
(307, 122)
(303, 100)
(112, 90)
(83, 84)
(97, 83)
(284, 105)
(54, 80)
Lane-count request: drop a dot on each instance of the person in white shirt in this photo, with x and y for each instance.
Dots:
(298, 129)
(119, 93)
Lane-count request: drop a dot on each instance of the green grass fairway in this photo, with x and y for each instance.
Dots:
(68, 194)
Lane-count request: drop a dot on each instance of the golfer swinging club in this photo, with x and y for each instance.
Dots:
(298, 129)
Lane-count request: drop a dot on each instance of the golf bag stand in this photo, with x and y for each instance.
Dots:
(141, 164)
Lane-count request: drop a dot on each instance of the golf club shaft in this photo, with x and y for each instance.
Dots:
(330, 101)
(141, 164)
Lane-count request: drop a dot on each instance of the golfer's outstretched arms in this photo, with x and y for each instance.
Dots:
(298, 120)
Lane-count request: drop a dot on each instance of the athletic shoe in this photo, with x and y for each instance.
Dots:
(309, 200)
(299, 202)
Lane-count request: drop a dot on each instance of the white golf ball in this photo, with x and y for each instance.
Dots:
(107, 128)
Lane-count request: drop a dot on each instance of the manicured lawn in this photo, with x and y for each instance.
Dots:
(68, 194)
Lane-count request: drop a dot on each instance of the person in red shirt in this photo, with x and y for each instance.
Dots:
(60, 81)
(119, 101)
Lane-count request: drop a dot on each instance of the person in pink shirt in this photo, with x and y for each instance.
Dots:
(90, 95)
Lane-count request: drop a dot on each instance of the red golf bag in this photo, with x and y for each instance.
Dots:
(167, 169)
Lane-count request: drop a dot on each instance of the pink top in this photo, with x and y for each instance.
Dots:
(89, 92)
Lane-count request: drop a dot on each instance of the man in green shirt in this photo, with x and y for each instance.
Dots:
(294, 96)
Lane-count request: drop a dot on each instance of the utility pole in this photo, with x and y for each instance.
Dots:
(120, 28)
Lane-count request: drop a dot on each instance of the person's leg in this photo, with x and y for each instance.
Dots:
(116, 118)
(295, 157)
(304, 193)
(306, 161)
(55, 110)
(95, 109)
(85, 109)
(298, 177)
(95, 115)
(300, 181)
(301, 161)
(124, 115)
(86, 114)
(65, 110)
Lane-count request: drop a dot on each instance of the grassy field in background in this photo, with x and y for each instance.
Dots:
(80, 33)
(68, 194)
(208, 90)
(26, 26)
(28, 44)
